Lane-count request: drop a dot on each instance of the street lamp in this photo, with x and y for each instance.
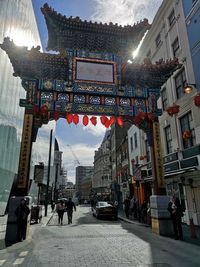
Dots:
(189, 87)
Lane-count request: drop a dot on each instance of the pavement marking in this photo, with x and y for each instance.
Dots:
(18, 261)
(23, 253)
(2, 262)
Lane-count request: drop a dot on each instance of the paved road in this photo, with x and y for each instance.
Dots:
(94, 243)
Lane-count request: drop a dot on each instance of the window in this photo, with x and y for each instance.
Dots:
(186, 123)
(168, 139)
(135, 139)
(171, 18)
(175, 47)
(164, 98)
(158, 40)
(180, 83)
(131, 141)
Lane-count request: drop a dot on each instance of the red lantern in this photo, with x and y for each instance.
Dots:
(120, 121)
(103, 119)
(85, 120)
(197, 100)
(141, 115)
(94, 120)
(150, 116)
(173, 109)
(112, 120)
(107, 124)
(137, 120)
(75, 119)
(56, 115)
(69, 118)
(187, 134)
(44, 109)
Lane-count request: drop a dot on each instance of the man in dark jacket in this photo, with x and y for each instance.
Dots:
(70, 206)
(176, 212)
(22, 213)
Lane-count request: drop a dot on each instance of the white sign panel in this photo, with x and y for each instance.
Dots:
(94, 71)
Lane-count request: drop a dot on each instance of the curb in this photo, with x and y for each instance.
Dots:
(133, 222)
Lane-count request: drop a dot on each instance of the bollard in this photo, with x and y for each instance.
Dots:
(192, 229)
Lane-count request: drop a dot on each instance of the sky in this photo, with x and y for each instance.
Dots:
(82, 140)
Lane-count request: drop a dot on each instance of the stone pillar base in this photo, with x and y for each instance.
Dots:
(160, 217)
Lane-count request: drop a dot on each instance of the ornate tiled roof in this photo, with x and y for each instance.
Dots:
(70, 32)
(34, 64)
(149, 74)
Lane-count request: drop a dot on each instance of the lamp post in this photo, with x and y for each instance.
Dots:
(48, 174)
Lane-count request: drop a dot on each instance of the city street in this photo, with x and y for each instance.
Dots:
(92, 242)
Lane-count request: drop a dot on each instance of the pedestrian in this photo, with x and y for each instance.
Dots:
(176, 212)
(127, 206)
(60, 209)
(52, 206)
(22, 212)
(144, 211)
(70, 207)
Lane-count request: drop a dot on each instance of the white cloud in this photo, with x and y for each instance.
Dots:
(98, 130)
(125, 12)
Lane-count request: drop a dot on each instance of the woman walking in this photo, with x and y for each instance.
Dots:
(60, 209)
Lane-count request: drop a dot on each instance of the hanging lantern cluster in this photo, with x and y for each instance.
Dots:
(197, 100)
(142, 116)
(187, 134)
(172, 110)
(107, 122)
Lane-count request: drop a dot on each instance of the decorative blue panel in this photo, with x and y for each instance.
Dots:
(140, 92)
(125, 102)
(109, 101)
(63, 97)
(139, 106)
(46, 96)
(47, 85)
(96, 100)
(79, 99)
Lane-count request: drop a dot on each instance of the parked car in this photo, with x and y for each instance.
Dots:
(104, 209)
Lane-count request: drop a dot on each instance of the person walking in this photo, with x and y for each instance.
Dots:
(176, 212)
(22, 212)
(70, 207)
(60, 209)
(127, 206)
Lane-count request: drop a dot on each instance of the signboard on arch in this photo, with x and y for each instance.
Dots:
(94, 71)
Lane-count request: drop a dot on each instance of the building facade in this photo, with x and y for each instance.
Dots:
(102, 168)
(84, 176)
(180, 133)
